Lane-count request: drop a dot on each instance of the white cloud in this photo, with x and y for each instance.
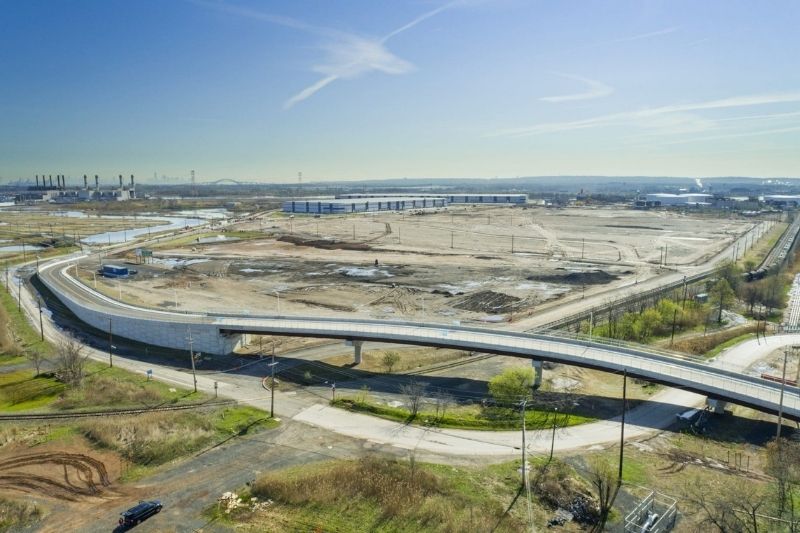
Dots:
(351, 55)
(594, 89)
(653, 117)
(348, 55)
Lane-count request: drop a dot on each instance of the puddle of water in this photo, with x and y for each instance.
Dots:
(112, 237)
(251, 270)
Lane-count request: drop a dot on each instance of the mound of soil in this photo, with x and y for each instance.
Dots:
(486, 302)
(589, 277)
(323, 244)
(633, 227)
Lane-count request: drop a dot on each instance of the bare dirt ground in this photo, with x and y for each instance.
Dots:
(452, 265)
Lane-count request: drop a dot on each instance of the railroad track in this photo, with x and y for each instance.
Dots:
(450, 365)
(114, 412)
(777, 255)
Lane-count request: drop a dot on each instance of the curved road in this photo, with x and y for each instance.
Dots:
(716, 380)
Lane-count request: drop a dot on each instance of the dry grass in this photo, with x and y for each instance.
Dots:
(378, 494)
(702, 344)
(15, 515)
(151, 439)
(105, 390)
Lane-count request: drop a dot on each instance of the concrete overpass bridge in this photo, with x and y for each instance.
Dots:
(221, 333)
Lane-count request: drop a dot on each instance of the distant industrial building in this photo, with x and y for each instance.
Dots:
(782, 200)
(674, 200)
(482, 198)
(342, 206)
(59, 193)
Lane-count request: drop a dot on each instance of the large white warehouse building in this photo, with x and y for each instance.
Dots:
(666, 199)
(476, 198)
(361, 205)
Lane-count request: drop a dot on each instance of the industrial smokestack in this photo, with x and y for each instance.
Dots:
(50, 177)
(58, 181)
(120, 181)
(96, 182)
(85, 182)
(37, 181)
(132, 181)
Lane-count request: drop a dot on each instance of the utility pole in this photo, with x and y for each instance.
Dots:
(622, 429)
(674, 316)
(780, 407)
(524, 458)
(41, 325)
(110, 346)
(553, 437)
(583, 247)
(272, 385)
(191, 357)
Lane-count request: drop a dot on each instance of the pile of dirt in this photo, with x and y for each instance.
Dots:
(487, 302)
(586, 277)
(324, 244)
(633, 227)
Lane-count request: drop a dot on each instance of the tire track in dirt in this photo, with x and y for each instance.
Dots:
(83, 475)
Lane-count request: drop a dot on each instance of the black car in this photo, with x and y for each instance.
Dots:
(136, 514)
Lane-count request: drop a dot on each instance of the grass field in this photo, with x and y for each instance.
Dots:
(382, 495)
(460, 417)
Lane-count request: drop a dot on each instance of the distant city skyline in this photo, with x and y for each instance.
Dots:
(259, 91)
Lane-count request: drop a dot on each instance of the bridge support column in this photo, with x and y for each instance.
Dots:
(537, 373)
(717, 406)
(357, 351)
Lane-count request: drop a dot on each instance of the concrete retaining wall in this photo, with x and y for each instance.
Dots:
(206, 337)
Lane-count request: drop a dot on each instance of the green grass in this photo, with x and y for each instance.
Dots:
(242, 419)
(29, 338)
(727, 344)
(492, 419)
(22, 390)
(11, 359)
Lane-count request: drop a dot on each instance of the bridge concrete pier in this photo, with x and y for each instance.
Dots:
(537, 373)
(357, 351)
(717, 406)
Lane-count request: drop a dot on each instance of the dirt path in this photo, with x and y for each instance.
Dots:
(188, 488)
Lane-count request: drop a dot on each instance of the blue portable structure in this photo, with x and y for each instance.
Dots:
(115, 271)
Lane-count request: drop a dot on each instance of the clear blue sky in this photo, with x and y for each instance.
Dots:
(373, 89)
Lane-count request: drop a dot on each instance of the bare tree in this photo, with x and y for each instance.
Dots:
(413, 392)
(389, 360)
(442, 400)
(783, 464)
(37, 358)
(70, 362)
(606, 485)
(728, 508)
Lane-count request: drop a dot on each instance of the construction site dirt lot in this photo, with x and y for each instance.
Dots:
(452, 265)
